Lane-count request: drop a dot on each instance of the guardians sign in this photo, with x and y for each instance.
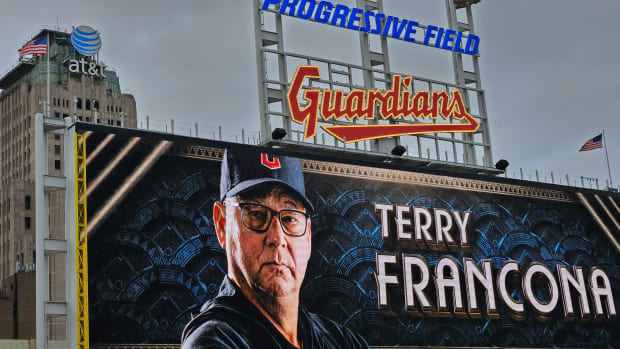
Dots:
(394, 104)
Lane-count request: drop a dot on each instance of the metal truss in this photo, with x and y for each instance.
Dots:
(81, 242)
(470, 78)
(275, 68)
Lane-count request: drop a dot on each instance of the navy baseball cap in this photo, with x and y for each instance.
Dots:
(246, 170)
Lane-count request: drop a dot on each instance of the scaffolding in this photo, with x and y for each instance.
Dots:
(461, 152)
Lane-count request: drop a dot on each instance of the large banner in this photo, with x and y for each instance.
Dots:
(398, 257)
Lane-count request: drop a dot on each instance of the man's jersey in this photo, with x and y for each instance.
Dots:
(230, 320)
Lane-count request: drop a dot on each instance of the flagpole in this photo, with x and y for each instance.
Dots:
(607, 157)
(48, 75)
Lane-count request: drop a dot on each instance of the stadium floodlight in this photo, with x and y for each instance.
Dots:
(278, 133)
(398, 150)
(502, 165)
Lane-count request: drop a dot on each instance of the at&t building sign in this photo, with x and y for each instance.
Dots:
(86, 41)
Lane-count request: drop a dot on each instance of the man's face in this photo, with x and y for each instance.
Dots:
(272, 262)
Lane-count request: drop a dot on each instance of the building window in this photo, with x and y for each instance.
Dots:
(57, 115)
(57, 149)
(27, 222)
(79, 103)
(88, 104)
(96, 104)
(118, 122)
(88, 119)
(27, 202)
(54, 101)
(57, 164)
(65, 116)
(80, 117)
(120, 109)
(56, 137)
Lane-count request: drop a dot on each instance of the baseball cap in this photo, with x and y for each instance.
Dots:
(246, 170)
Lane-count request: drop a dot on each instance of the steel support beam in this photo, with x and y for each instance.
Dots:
(70, 233)
(46, 246)
(54, 246)
(41, 230)
(55, 309)
(53, 183)
(464, 78)
(371, 59)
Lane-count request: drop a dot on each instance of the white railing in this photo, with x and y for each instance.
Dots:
(551, 177)
(197, 130)
(254, 138)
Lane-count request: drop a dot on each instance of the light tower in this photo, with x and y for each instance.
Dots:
(461, 152)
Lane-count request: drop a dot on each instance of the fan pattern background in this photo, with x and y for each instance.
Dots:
(157, 260)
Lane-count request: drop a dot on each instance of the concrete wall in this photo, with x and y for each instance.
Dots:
(18, 322)
(6, 318)
(26, 306)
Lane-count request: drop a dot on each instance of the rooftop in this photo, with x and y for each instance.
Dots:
(23, 66)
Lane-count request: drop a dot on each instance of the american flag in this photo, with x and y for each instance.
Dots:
(34, 47)
(596, 142)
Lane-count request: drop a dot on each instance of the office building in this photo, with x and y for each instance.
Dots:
(81, 87)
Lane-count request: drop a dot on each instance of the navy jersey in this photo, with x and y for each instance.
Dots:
(230, 320)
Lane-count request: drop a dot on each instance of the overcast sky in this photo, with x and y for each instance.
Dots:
(550, 68)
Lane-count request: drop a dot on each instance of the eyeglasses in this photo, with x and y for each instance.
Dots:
(258, 218)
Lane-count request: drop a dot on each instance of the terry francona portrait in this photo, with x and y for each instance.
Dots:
(263, 222)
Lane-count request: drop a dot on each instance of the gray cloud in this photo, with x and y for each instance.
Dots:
(550, 68)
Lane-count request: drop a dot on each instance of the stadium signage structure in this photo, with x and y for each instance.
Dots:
(423, 243)
(395, 103)
(414, 226)
(376, 23)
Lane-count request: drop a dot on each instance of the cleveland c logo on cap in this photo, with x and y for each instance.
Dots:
(272, 164)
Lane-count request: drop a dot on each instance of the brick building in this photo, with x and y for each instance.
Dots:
(79, 93)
